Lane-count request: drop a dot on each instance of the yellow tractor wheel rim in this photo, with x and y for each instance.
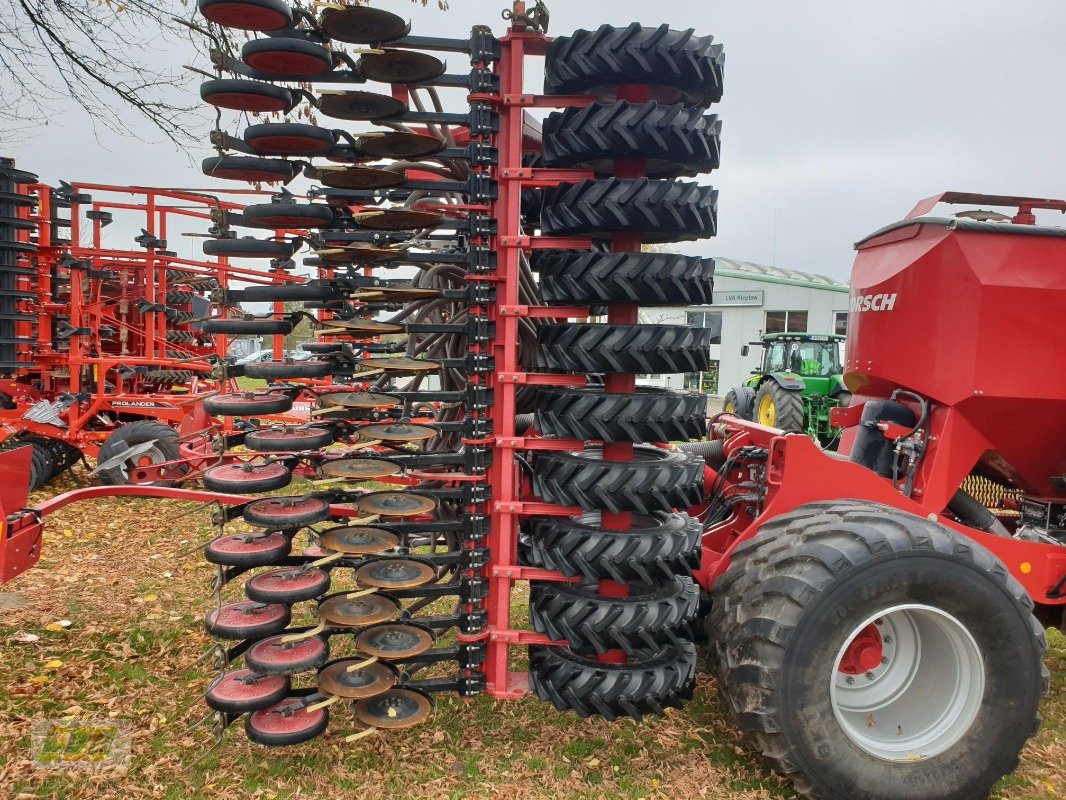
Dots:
(767, 412)
(729, 409)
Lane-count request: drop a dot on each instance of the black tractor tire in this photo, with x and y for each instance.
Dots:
(247, 327)
(286, 370)
(740, 402)
(170, 377)
(650, 684)
(176, 297)
(249, 248)
(654, 549)
(649, 279)
(43, 466)
(648, 415)
(671, 140)
(786, 606)
(641, 349)
(288, 215)
(659, 211)
(678, 66)
(655, 480)
(133, 433)
(653, 616)
(788, 414)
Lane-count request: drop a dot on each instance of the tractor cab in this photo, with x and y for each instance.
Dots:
(806, 355)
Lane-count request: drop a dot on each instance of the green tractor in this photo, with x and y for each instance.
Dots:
(799, 382)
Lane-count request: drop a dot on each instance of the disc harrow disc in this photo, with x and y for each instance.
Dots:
(348, 611)
(400, 145)
(287, 723)
(360, 469)
(397, 708)
(399, 219)
(359, 254)
(395, 573)
(339, 680)
(398, 432)
(247, 550)
(365, 327)
(359, 540)
(275, 656)
(359, 400)
(287, 585)
(286, 513)
(362, 25)
(396, 504)
(360, 105)
(394, 640)
(401, 66)
(400, 365)
(360, 178)
(242, 691)
(248, 619)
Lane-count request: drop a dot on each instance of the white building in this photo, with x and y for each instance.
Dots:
(750, 300)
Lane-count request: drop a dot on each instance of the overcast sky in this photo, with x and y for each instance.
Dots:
(838, 115)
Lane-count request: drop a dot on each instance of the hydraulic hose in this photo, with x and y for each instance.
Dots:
(972, 512)
(713, 451)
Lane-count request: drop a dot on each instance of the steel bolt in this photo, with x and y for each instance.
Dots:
(886, 639)
(870, 676)
(884, 659)
(849, 680)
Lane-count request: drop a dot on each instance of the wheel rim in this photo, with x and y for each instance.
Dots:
(728, 408)
(145, 459)
(767, 412)
(907, 683)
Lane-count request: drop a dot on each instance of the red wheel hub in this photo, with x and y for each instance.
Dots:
(280, 585)
(245, 16)
(283, 509)
(248, 472)
(287, 717)
(864, 652)
(283, 62)
(271, 545)
(245, 689)
(247, 614)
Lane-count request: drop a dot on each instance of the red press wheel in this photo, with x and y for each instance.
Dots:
(247, 404)
(251, 170)
(274, 656)
(247, 15)
(287, 585)
(288, 440)
(286, 513)
(242, 95)
(287, 723)
(247, 477)
(247, 620)
(286, 58)
(289, 138)
(244, 550)
(243, 690)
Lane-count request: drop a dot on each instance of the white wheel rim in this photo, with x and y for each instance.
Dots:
(924, 696)
(157, 456)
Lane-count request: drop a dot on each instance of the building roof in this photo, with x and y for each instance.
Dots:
(759, 272)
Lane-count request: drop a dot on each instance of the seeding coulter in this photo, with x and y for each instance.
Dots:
(876, 630)
(100, 349)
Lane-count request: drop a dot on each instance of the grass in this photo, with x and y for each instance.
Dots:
(129, 577)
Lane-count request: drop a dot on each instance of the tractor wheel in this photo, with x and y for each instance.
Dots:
(165, 448)
(243, 691)
(779, 408)
(247, 327)
(169, 377)
(648, 415)
(249, 248)
(650, 279)
(247, 15)
(655, 480)
(649, 684)
(731, 405)
(678, 66)
(660, 211)
(176, 297)
(244, 95)
(655, 548)
(288, 215)
(286, 724)
(285, 58)
(860, 646)
(671, 140)
(42, 464)
(285, 513)
(288, 138)
(643, 349)
(651, 617)
(287, 370)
